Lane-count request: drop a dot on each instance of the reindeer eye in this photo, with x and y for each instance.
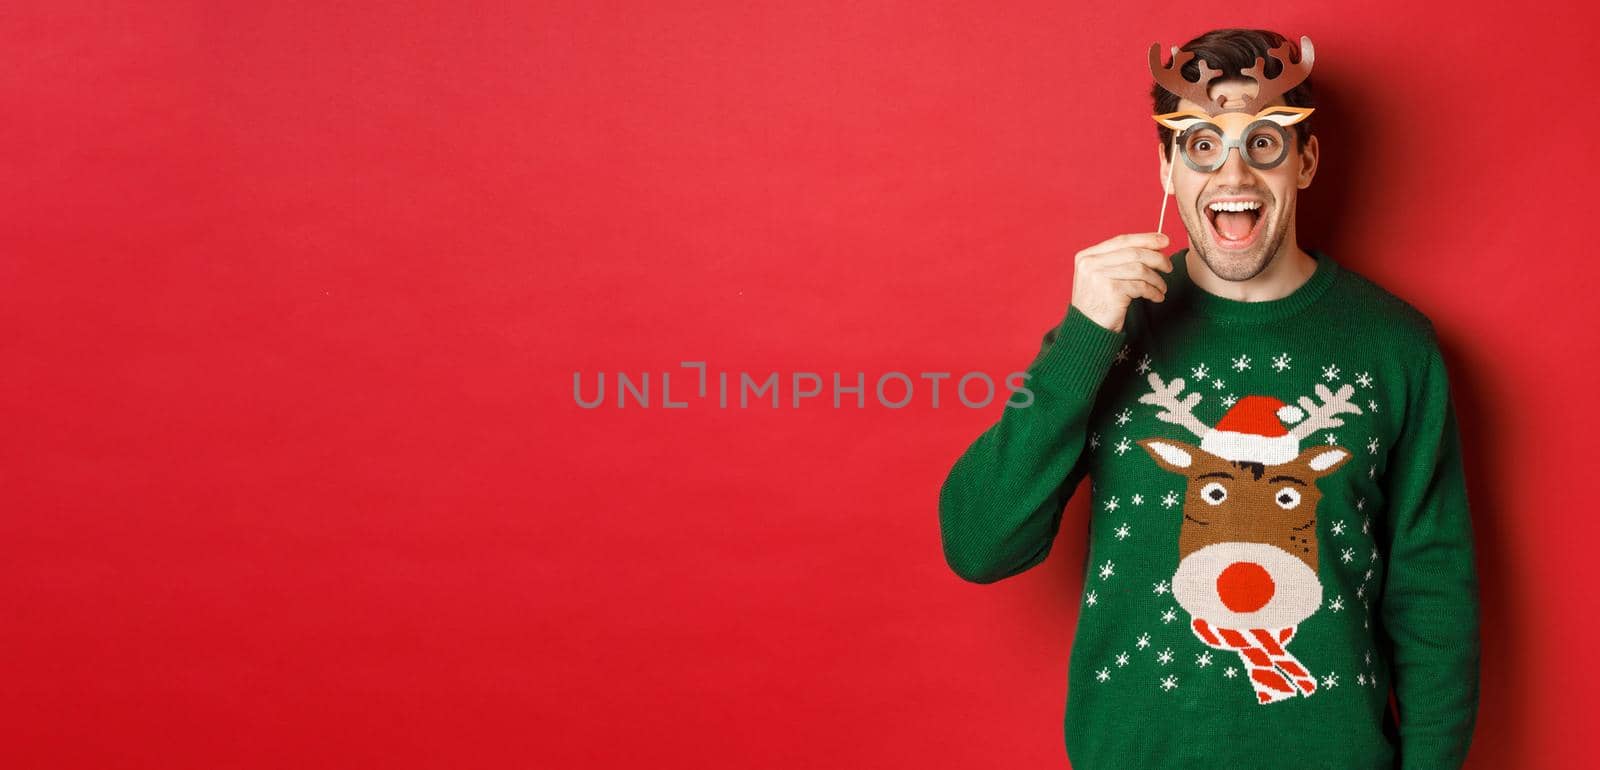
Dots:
(1287, 498)
(1214, 493)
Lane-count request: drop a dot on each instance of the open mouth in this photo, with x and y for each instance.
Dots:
(1235, 224)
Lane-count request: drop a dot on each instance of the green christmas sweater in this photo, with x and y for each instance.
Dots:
(1279, 530)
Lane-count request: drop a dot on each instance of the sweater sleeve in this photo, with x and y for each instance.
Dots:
(1001, 504)
(1430, 603)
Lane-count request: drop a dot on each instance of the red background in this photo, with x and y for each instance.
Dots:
(293, 295)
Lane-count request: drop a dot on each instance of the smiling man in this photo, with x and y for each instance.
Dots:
(1238, 202)
(1279, 531)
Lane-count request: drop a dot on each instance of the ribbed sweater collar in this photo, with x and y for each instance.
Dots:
(1192, 298)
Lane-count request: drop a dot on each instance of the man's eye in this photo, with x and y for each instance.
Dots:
(1264, 142)
(1202, 145)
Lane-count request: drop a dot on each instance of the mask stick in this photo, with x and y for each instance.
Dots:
(1166, 191)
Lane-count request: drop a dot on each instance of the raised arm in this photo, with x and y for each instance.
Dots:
(1001, 504)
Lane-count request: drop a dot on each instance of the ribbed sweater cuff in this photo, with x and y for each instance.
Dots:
(1079, 357)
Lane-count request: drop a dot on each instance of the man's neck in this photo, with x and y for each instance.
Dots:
(1287, 271)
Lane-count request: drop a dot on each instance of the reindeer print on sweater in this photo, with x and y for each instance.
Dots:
(1247, 548)
(1279, 546)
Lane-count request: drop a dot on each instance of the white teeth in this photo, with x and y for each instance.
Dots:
(1235, 205)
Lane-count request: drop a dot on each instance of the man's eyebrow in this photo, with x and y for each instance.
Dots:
(1286, 478)
(1214, 473)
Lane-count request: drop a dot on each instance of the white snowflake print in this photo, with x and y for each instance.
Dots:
(1165, 656)
(1106, 570)
(1361, 503)
(1280, 361)
(1338, 527)
(1372, 470)
(1122, 355)
(1170, 499)
(1200, 372)
(1144, 364)
(1345, 556)
(1170, 615)
(1122, 531)
(1332, 439)
(1161, 588)
(1373, 405)
(1372, 445)
(1143, 641)
(1218, 384)
(1090, 599)
(1122, 659)
(1330, 372)
(1102, 675)
(1230, 672)
(1374, 556)
(1094, 440)
(1372, 681)
(1123, 446)
(1138, 499)
(1124, 416)
(1112, 504)
(1337, 603)
(1203, 659)
(1169, 682)
(1369, 657)
(1366, 523)
(1361, 591)
(1229, 400)
(1368, 576)
(1241, 363)
(1364, 379)
(1361, 678)
(1331, 680)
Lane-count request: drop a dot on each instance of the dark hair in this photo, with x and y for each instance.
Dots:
(1232, 50)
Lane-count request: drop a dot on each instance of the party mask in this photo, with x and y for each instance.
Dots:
(1260, 133)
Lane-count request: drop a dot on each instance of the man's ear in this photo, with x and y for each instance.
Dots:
(1308, 163)
(1164, 167)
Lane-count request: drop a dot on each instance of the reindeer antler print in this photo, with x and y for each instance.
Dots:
(1248, 570)
(1322, 416)
(1178, 412)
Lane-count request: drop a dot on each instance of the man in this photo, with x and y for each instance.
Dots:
(1279, 530)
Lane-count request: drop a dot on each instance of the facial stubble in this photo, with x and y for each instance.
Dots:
(1245, 266)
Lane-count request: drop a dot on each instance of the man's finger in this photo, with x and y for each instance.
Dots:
(1136, 288)
(1138, 240)
(1155, 259)
(1138, 272)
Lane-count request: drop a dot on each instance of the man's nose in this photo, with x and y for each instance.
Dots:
(1234, 171)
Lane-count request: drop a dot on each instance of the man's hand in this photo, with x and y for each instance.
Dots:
(1108, 276)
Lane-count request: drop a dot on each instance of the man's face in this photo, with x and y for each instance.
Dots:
(1239, 245)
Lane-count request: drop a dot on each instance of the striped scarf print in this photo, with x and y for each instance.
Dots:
(1263, 654)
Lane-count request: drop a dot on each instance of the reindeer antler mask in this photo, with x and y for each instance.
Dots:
(1257, 130)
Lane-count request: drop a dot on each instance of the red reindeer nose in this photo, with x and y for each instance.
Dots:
(1244, 586)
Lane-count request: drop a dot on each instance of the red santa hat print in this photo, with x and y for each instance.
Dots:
(1253, 431)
